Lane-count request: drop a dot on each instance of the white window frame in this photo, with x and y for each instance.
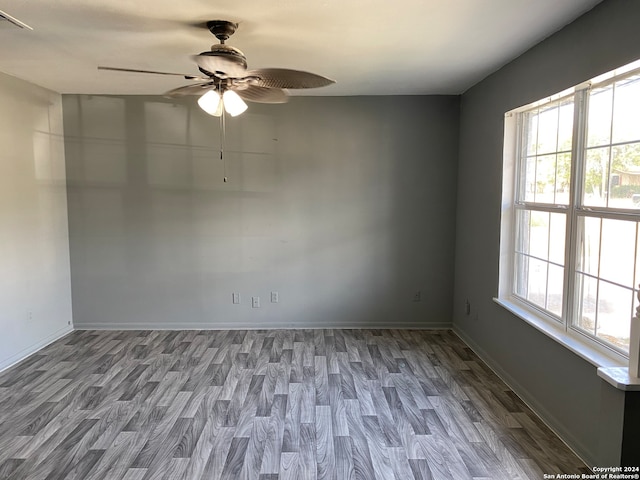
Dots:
(561, 329)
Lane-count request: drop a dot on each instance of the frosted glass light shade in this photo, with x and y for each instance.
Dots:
(233, 104)
(211, 103)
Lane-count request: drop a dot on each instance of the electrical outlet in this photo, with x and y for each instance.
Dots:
(29, 316)
(467, 307)
(236, 298)
(275, 298)
(417, 297)
(255, 302)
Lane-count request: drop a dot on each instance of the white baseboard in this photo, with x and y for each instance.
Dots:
(547, 418)
(27, 352)
(258, 326)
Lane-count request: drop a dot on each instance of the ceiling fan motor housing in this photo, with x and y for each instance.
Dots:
(230, 57)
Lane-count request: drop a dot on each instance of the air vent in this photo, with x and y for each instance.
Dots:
(5, 17)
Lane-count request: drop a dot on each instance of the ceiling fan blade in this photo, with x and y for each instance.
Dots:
(197, 89)
(131, 70)
(220, 66)
(254, 93)
(285, 78)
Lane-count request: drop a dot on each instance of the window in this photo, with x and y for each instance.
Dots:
(570, 248)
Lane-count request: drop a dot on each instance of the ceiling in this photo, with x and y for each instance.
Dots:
(370, 47)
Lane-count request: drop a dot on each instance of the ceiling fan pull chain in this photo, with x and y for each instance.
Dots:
(222, 138)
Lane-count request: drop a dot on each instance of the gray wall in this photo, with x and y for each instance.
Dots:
(562, 387)
(345, 206)
(35, 289)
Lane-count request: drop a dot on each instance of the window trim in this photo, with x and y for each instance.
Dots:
(562, 329)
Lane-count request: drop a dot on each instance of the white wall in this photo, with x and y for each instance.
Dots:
(343, 205)
(35, 287)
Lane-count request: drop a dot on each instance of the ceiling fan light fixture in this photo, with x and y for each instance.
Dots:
(233, 104)
(211, 103)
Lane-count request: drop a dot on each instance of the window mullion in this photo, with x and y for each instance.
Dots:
(578, 153)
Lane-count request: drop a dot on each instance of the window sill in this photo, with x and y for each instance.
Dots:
(581, 348)
(619, 377)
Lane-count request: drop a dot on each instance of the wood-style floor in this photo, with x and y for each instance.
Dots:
(268, 405)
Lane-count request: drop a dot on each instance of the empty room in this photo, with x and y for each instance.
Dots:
(320, 240)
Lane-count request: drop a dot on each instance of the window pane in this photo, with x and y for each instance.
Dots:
(587, 295)
(539, 235)
(596, 176)
(599, 122)
(614, 314)
(531, 133)
(547, 130)
(545, 179)
(557, 233)
(537, 282)
(535, 279)
(565, 126)
(563, 177)
(588, 245)
(555, 289)
(617, 252)
(626, 110)
(530, 180)
(521, 275)
(625, 176)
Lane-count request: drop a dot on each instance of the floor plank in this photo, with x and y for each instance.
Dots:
(266, 405)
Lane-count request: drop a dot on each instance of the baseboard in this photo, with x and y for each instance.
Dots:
(258, 326)
(547, 418)
(27, 352)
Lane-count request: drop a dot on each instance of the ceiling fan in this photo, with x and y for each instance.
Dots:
(227, 82)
